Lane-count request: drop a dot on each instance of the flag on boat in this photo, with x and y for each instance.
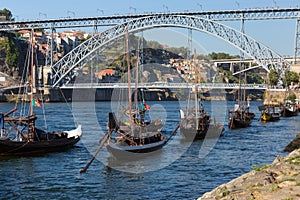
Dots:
(147, 107)
(35, 103)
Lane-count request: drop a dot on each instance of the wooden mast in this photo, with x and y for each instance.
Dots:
(128, 78)
(31, 73)
(195, 68)
(239, 89)
(31, 83)
(245, 82)
(136, 80)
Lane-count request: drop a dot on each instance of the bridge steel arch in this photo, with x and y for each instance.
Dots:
(67, 67)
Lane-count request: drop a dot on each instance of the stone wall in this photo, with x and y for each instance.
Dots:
(277, 96)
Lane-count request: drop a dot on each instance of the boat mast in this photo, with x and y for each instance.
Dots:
(239, 89)
(128, 77)
(136, 80)
(196, 90)
(196, 106)
(31, 78)
(245, 82)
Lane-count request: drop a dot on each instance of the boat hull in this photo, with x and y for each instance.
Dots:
(240, 117)
(196, 128)
(238, 123)
(134, 152)
(288, 109)
(267, 117)
(211, 132)
(288, 113)
(23, 148)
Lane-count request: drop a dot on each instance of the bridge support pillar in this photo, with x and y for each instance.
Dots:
(231, 68)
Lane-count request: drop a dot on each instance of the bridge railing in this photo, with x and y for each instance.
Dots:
(167, 85)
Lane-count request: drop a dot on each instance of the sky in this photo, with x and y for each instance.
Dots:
(279, 35)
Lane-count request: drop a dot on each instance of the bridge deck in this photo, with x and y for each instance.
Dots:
(167, 85)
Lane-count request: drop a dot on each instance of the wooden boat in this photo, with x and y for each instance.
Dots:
(134, 139)
(251, 114)
(268, 113)
(122, 144)
(136, 136)
(239, 117)
(128, 146)
(21, 137)
(194, 127)
(288, 109)
(135, 120)
(196, 123)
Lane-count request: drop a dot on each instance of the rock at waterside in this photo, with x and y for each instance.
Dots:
(295, 144)
(278, 180)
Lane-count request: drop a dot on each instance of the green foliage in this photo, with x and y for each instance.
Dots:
(12, 53)
(254, 78)
(154, 45)
(232, 79)
(273, 77)
(179, 51)
(218, 56)
(257, 168)
(291, 77)
(294, 160)
(5, 12)
(3, 42)
(292, 97)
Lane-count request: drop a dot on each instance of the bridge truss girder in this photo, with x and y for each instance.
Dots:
(67, 68)
(226, 15)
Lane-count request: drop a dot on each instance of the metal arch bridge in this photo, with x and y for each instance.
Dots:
(67, 68)
(226, 15)
(155, 85)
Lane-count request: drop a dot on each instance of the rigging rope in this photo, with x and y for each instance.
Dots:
(75, 119)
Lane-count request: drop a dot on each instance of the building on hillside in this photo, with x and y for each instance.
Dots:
(3, 18)
(295, 68)
(25, 34)
(107, 76)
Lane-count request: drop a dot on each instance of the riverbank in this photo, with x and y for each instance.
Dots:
(277, 96)
(115, 94)
(278, 180)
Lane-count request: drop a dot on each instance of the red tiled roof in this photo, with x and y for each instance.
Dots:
(105, 72)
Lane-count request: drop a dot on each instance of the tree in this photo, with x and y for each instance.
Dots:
(221, 55)
(292, 97)
(5, 12)
(291, 77)
(12, 52)
(273, 77)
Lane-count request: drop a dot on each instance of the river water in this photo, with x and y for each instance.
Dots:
(181, 170)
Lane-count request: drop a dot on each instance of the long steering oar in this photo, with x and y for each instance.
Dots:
(102, 142)
(173, 133)
(112, 126)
